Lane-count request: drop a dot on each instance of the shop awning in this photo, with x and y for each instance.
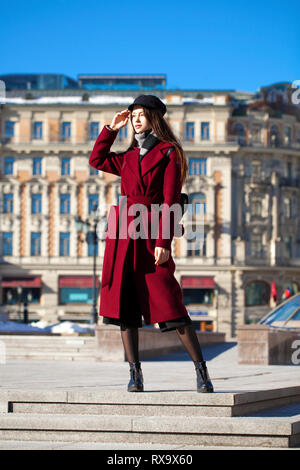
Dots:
(198, 282)
(77, 281)
(35, 281)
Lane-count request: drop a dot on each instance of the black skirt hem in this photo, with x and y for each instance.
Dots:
(165, 326)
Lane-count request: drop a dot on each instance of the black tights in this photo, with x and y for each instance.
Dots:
(186, 334)
(130, 338)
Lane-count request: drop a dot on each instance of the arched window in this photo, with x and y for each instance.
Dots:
(257, 293)
(274, 136)
(239, 132)
(197, 204)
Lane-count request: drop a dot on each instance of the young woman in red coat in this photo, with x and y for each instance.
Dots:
(138, 281)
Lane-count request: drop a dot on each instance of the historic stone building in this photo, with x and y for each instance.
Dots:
(244, 181)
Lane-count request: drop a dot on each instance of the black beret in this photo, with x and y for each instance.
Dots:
(149, 101)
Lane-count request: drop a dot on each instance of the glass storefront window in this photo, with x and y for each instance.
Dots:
(257, 293)
(198, 296)
(71, 295)
(11, 296)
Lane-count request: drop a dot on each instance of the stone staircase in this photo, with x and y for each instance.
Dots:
(49, 347)
(266, 418)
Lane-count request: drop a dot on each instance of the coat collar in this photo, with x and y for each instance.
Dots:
(150, 160)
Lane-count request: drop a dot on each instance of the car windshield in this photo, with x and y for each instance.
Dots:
(284, 312)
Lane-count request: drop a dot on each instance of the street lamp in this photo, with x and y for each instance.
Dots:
(84, 226)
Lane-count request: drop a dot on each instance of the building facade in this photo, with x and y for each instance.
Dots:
(243, 152)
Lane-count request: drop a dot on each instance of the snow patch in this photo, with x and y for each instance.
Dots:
(65, 327)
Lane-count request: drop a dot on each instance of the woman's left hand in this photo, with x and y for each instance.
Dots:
(161, 255)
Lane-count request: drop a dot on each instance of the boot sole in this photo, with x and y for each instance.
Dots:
(135, 390)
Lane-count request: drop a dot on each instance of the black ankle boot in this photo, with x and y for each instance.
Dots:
(204, 384)
(136, 378)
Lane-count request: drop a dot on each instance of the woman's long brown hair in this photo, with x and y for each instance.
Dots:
(163, 131)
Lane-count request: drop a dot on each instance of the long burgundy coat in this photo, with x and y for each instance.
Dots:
(155, 180)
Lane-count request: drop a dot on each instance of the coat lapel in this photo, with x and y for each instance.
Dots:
(132, 161)
(150, 160)
(153, 157)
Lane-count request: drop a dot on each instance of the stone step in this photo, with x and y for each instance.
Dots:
(220, 431)
(32, 340)
(155, 403)
(49, 348)
(52, 356)
(45, 349)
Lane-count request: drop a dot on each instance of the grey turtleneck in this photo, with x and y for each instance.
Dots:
(146, 141)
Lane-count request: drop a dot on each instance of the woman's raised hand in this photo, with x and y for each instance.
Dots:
(161, 255)
(120, 120)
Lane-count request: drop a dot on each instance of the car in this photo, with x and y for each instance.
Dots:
(285, 315)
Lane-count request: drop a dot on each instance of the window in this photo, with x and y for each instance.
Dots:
(8, 206)
(37, 130)
(77, 289)
(9, 165)
(274, 136)
(239, 132)
(256, 207)
(256, 245)
(284, 312)
(64, 243)
(35, 244)
(9, 129)
(197, 247)
(197, 296)
(256, 169)
(256, 133)
(37, 166)
(189, 131)
(288, 245)
(66, 131)
(93, 202)
(204, 130)
(257, 293)
(36, 204)
(197, 166)
(11, 295)
(288, 207)
(65, 166)
(289, 170)
(197, 204)
(287, 136)
(7, 247)
(65, 204)
(94, 130)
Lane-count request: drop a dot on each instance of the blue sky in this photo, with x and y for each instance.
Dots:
(203, 45)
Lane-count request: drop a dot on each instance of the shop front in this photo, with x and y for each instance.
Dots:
(199, 297)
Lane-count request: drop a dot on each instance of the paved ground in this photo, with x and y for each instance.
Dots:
(166, 373)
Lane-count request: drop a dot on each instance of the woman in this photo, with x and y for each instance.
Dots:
(138, 271)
